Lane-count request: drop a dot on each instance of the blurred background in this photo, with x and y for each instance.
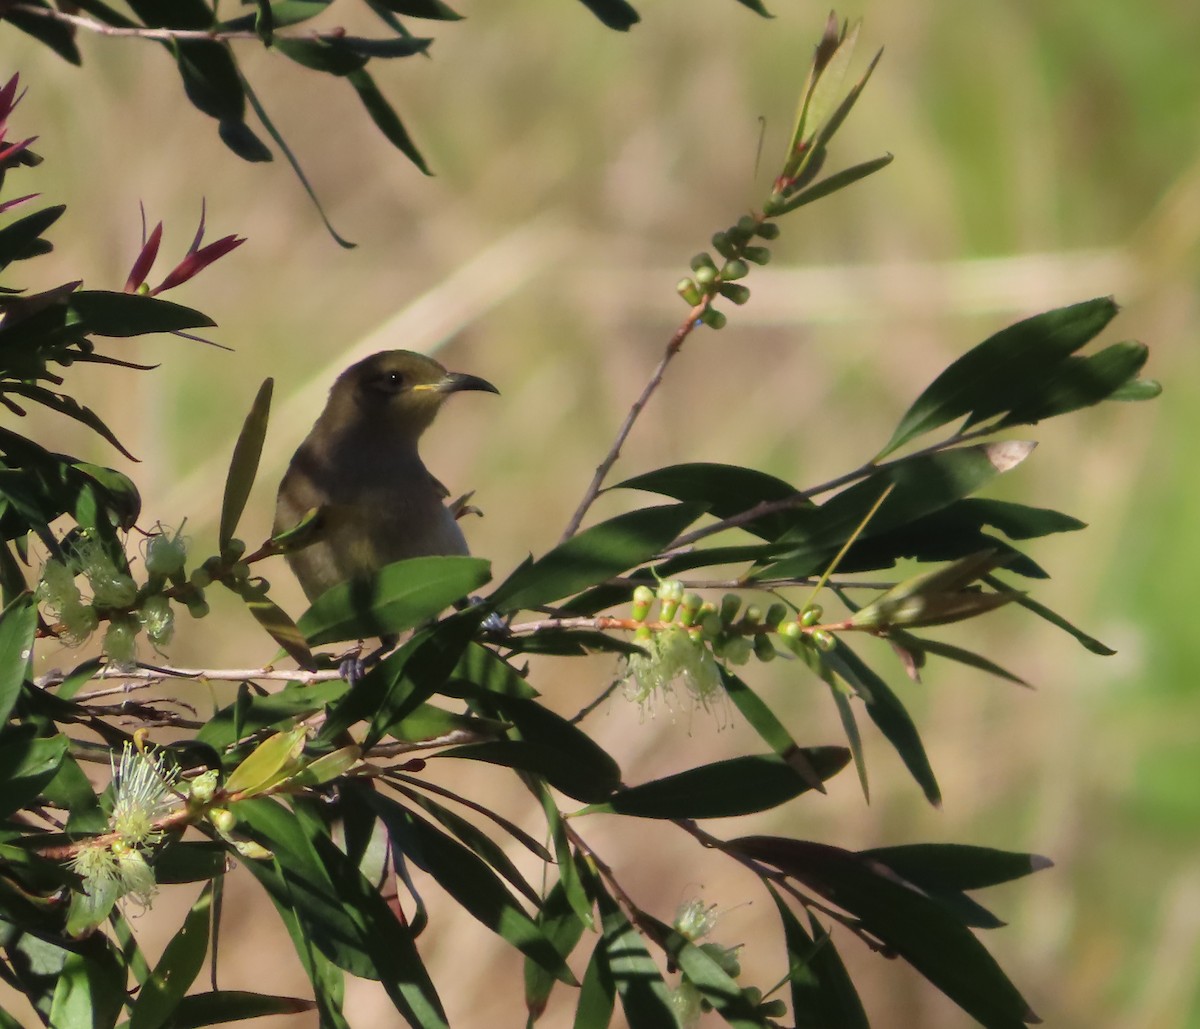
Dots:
(1045, 153)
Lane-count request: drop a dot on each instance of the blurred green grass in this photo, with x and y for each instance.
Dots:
(1044, 153)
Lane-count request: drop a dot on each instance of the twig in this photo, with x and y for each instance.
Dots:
(152, 674)
(79, 21)
(614, 452)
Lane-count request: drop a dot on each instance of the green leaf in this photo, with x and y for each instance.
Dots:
(405, 46)
(918, 928)
(58, 37)
(1086, 641)
(1139, 389)
(65, 405)
(90, 989)
(762, 719)
(17, 238)
(189, 861)
(339, 912)
(716, 986)
(27, 763)
(432, 9)
(596, 554)
(918, 647)
(920, 486)
(471, 882)
(726, 490)
(104, 313)
(889, 715)
(644, 996)
(319, 55)
(598, 994)
(384, 117)
(549, 746)
(833, 183)
(823, 994)
(271, 761)
(176, 970)
(18, 622)
(244, 464)
(398, 597)
(400, 683)
(1003, 372)
(736, 786)
(217, 1007)
(562, 927)
(1080, 382)
(613, 14)
(277, 622)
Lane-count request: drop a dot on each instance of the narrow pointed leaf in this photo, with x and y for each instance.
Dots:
(596, 554)
(243, 467)
(1039, 609)
(835, 182)
(736, 786)
(1002, 372)
(176, 970)
(18, 623)
(1080, 382)
(384, 117)
(645, 998)
(613, 14)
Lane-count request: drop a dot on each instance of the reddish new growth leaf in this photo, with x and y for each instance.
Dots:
(194, 261)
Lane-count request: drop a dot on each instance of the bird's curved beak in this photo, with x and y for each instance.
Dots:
(456, 382)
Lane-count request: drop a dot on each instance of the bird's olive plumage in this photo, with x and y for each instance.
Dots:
(360, 469)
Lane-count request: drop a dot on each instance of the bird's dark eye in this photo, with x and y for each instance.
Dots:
(389, 382)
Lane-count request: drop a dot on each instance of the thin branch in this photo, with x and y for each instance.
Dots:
(614, 452)
(153, 674)
(80, 21)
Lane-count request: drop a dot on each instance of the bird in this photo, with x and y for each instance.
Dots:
(360, 470)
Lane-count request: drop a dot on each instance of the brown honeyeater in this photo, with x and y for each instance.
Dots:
(360, 470)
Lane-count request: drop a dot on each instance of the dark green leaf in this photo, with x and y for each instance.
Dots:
(833, 183)
(400, 596)
(210, 79)
(58, 37)
(189, 861)
(1087, 642)
(725, 490)
(596, 554)
(919, 929)
(598, 994)
(571, 643)
(27, 763)
(405, 46)
(384, 117)
(889, 715)
(103, 313)
(65, 405)
(277, 622)
(1002, 372)
(432, 9)
(218, 1007)
(176, 969)
(757, 7)
(480, 666)
(737, 786)
(90, 989)
(18, 623)
(716, 986)
(342, 913)
(562, 927)
(823, 994)
(557, 767)
(260, 111)
(613, 14)
(471, 882)
(644, 996)
(17, 238)
(320, 55)
(243, 466)
(240, 138)
(1080, 382)
(919, 647)
(920, 486)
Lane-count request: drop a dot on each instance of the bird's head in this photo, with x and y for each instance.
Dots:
(396, 392)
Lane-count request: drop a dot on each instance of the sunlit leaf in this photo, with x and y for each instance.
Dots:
(243, 466)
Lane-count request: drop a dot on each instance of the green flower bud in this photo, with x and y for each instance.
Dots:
(158, 619)
(711, 626)
(747, 225)
(735, 269)
(234, 549)
(811, 615)
(767, 230)
(223, 820)
(702, 260)
(730, 604)
(692, 603)
(823, 640)
(713, 319)
(690, 292)
(789, 629)
(723, 245)
(773, 1008)
(643, 597)
(200, 578)
(111, 588)
(764, 649)
(737, 293)
(706, 276)
(772, 207)
(759, 255)
(203, 788)
(670, 593)
(776, 613)
(239, 571)
(197, 607)
(752, 615)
